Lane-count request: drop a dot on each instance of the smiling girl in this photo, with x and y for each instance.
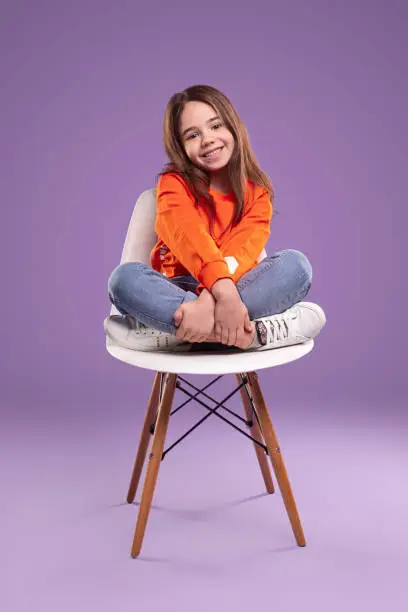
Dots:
(207, 282)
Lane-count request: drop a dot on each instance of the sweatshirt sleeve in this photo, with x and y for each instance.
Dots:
(180, 226)
(249, 237)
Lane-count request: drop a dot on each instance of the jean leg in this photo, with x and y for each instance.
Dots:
(278, 282)
(136, 289)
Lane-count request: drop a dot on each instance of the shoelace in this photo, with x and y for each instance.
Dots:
(130, 321)
(138, 326)
(279, 327)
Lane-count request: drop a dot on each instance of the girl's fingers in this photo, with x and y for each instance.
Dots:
(233, 338)
(248, 324)
(240, 338)
(218, 332)
(183, 335)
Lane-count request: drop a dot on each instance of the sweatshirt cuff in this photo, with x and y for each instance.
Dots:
(212, 272)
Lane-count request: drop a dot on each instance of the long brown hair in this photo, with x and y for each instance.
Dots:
(242, 165)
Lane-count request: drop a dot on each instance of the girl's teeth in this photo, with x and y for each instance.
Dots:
(213, 153)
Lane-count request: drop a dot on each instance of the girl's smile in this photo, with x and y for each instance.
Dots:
(207, 141)
(213, 154)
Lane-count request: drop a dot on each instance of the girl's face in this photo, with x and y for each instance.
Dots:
(207, 141)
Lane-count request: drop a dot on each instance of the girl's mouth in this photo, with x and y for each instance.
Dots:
(213, 154)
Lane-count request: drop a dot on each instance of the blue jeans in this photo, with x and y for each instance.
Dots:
(275, 284)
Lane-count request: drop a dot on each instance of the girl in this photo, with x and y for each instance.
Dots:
(205, 283)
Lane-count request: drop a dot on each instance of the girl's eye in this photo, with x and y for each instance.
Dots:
(215, 126)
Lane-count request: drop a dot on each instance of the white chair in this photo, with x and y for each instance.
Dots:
(140, 239)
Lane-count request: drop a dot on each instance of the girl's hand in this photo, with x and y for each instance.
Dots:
(232, 324)
(195, 320)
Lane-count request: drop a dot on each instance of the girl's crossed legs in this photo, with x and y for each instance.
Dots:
(275, 284)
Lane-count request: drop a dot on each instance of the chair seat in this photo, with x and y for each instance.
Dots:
(207, 362)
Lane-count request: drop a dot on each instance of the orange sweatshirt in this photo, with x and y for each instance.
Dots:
(185, 244)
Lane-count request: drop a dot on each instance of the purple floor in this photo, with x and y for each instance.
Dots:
(215, 539)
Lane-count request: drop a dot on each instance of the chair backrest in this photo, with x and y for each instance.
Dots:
(141, 237)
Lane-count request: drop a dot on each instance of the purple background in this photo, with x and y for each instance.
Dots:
(322, 88)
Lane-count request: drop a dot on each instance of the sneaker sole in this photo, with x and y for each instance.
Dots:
(182, 347)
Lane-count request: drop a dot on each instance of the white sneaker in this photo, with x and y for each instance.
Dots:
(127, 332)
(298, 324)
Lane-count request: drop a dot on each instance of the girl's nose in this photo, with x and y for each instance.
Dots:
(207, 139)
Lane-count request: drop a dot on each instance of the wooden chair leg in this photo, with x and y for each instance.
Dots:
(154, 461)
(144, 438)
(256, 433)
(276, 458)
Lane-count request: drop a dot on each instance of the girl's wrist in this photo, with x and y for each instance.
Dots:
(224, 288)
(206, 297)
